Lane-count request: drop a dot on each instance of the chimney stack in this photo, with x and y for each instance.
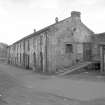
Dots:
(56, 20)
(75, 14)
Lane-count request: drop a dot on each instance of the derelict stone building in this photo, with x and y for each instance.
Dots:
(62, 44)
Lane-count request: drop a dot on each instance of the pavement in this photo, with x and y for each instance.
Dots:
(24, 87)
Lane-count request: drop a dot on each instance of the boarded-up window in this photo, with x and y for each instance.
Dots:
(79, 48)
(69, 48)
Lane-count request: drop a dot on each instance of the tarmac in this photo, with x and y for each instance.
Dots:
(24, 87)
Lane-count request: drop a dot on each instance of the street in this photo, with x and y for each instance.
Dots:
(25, 87)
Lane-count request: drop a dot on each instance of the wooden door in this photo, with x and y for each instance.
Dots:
(34, 59)
(41, 61)
(26, 63)
(87, 52)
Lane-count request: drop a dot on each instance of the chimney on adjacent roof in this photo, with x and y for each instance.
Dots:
(34, 30)
(75, 14)
(56, 20)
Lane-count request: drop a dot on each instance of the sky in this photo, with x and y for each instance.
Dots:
(19, 18)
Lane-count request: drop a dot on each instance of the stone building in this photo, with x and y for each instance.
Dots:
(3, 52)
(98, 49)
(62, 44)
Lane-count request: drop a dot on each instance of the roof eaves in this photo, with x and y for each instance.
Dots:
(87, 28)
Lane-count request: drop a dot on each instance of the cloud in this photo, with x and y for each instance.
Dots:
(22, 16)
(48, 4)
(81, 3)
(18, 1)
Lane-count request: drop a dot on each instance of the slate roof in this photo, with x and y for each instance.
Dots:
(47, 28)
(40, 31)
(99, 38)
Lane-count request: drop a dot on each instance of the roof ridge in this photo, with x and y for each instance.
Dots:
(39, 31)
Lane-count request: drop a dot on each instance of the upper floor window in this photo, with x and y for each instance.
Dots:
(73, 30)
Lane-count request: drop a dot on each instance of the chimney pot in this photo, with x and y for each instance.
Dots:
(34, 30)
(56, 20)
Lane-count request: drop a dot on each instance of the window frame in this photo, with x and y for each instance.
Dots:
(68, 48)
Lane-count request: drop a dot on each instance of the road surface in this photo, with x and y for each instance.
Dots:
(24, 87)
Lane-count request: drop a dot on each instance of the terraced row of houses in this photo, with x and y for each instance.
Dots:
(62, 44)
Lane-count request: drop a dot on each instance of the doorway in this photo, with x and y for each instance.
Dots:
(87, 52)
(41, 61)
(26, 61)
(34, 61)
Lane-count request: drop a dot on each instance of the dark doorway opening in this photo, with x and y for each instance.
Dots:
(97, 66)
(34, 61)
(41, 61)
(26, 61)
(87, 52)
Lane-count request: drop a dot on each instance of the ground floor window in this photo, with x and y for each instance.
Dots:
(69, 48)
